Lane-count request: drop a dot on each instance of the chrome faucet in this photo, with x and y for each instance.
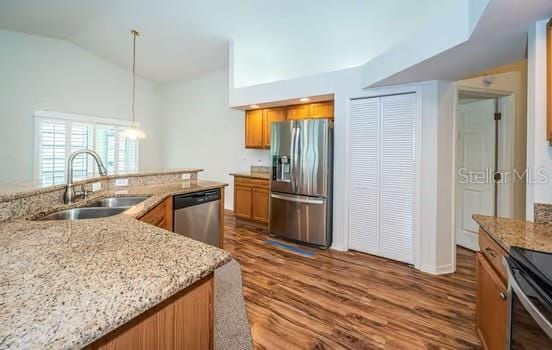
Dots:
(69, 195)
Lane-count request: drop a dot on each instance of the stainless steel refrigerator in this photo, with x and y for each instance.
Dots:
(301, 185)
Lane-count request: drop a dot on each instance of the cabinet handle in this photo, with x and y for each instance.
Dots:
(503, 296)
(490, 252)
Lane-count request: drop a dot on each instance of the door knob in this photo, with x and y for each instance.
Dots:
(503, 296)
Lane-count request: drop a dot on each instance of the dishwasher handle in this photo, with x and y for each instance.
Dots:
(191, 199)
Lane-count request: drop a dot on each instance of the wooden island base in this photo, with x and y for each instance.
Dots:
(184, 321)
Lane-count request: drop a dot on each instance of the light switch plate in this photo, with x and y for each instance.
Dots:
(96, 186)
(121, 182)
(186, 176)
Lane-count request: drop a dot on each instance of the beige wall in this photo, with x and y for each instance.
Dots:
(510, 78)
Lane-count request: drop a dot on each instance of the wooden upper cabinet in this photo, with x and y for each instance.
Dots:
(270, 116)
(549, 80)
(322, 109)
(297, 112)
(259, 121)
(254, 129)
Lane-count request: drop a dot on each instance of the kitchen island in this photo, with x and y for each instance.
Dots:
(497, 238)
(114, 281)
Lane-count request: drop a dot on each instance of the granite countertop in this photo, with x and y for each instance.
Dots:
(517, 233)
(64, 284)
(253, 175)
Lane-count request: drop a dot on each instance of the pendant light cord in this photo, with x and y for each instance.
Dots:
(134, 34)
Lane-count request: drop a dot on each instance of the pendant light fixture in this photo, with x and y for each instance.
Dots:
(133, 132)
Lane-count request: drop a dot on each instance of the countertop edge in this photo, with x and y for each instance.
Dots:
(105, 331)
(484, 227)
(519, 233)
(252, 176)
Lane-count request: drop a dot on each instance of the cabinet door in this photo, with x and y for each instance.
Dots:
(270, 116)
(297, 112)
(322, 109)
(549, 79)
(492, 306)
(242, 202)
(160, 216)
(259, 199)
(254, 129)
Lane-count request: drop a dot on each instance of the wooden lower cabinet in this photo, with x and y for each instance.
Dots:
(161, 216)
(251, 199)
(242, 202)
(491, 305)
(259, 204)
(184, 321)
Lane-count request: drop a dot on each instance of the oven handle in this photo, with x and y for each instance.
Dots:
(513, 287)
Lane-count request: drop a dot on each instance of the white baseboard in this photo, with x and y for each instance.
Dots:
(437, 270)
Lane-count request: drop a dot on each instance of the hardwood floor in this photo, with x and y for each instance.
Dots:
(348, 300)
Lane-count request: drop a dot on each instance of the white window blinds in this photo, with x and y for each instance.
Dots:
(56, 138)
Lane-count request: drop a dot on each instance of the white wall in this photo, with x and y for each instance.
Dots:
(539, 152)
(38, 73)
(203, 132)
(436, 251)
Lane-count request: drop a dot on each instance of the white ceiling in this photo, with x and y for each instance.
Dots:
(185, 38)
(499, 38)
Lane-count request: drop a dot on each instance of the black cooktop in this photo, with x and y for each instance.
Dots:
(537, 264)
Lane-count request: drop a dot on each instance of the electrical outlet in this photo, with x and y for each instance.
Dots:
(96, 186)
(121, 182)
(186, 176)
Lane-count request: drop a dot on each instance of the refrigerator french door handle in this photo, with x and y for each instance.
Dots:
(298, 200)
(292, 160)
(296, 154)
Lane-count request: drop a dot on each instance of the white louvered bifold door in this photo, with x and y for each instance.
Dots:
(383, 175)
(398, 175)
(364, 206)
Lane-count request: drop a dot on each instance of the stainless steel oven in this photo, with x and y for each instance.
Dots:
(530, 299)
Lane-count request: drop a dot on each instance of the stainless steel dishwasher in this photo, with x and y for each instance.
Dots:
(197, 215)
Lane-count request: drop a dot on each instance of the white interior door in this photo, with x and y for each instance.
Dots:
(383, 176)
(475, 154)
(398, 177)
(365, 180)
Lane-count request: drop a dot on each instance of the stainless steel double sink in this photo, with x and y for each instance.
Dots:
(100, 209)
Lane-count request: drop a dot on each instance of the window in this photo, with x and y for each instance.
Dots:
(57, 135)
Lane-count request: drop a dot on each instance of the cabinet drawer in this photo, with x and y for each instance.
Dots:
(493, 253)
(245, 181)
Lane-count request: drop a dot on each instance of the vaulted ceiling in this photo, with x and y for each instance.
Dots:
(182, 39)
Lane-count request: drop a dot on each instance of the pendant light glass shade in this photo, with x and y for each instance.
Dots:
(133, 132)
